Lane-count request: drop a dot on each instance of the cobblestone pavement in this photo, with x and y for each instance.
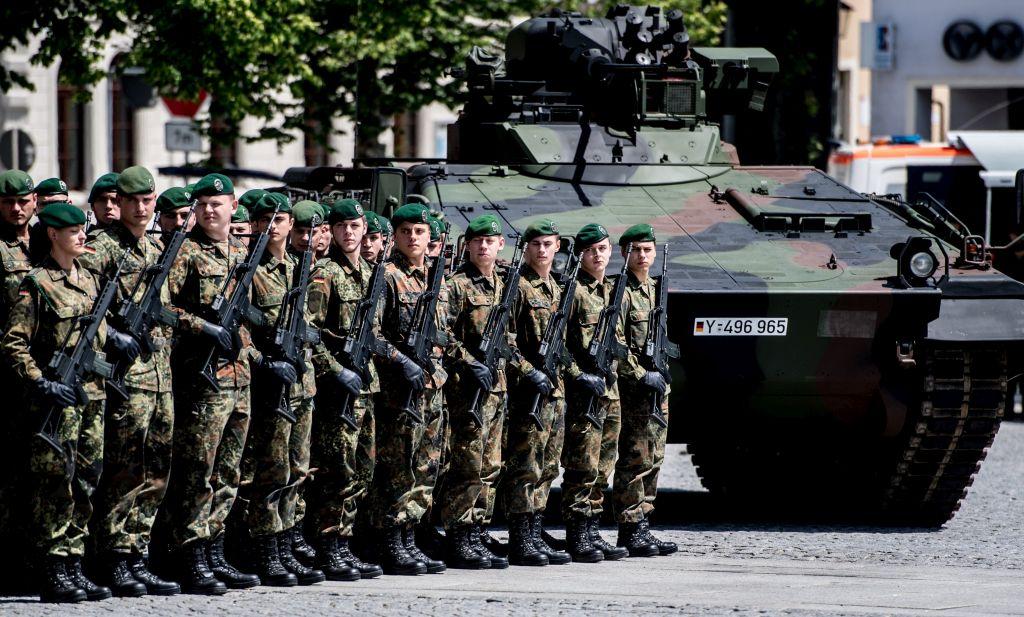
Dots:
(972, 566)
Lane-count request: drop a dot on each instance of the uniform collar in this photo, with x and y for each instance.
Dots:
(533, 278)
(57, 273)
(402, 263)
(476, 277)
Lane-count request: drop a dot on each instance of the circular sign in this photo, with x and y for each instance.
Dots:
(1004, 40)
(17, 150)
(963, 40)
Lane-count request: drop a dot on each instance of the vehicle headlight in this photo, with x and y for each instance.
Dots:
(923, 264)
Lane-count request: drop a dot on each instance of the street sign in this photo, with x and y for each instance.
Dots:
(182, 136)
(17, 150)
(185, 109)
(877, 46)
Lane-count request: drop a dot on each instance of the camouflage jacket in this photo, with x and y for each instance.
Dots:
(538, 299)
(337, 287)
(14, 265)
(49, 302)
(591, 298)
(634, 321)
(196, 277)
(151, 373)
(270, 285)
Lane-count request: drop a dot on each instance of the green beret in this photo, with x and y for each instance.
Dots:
(240, 215)
(14, 183)
(435, 229)
(483, 225)
(250, 198)
(213, 184)
(590, 234)
(304, 211)
(325, 210)
(637, 233)
(411, 213)
(135, 181)
(173, 199)
(345, 210)
(61, 214)
(270, 202)
(377, 224)
(51, 186)
(107, 183)
(191, 188)
(543, 227)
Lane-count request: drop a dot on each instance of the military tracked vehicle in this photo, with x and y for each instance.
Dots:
(838, 350)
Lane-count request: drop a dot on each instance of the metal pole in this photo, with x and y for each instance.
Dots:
(988, 215)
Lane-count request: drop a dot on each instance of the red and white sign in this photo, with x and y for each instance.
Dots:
(185, 109)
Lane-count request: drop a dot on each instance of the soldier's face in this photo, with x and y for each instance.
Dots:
(434, 248)
(136, 210)
(105, 208)
(323, 239)
(240, 231)
(348, 235)
(642, 257)
(169, 221)
(412, 238)
(540, 252)
(371, 246)
(213, 214)
(595, 257)
(279, 231)
(68, 240)
(483, 250)
(18, 210)
(300, 237)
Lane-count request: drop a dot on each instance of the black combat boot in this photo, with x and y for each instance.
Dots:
(366, 570)
(286, 553)
(55, 586)
(155, 586)
(122, 582)
(578, 543)
(197, 578)
(73, 566)
(434, 566)
(611, 553)
(331, 562)
(395, 558)
(268, 564)
(461, 554)
(492, 544)
(302, 550)
(482, 541)
(664, 547)
(521, 549)
(631, 538)
(555, 558)
(226, 572)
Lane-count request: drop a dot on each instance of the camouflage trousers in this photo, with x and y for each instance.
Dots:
(641, 452)
(474, 461)
(61, 504)
(136, 463)
(209, 437)
(588, 456)
(344, 461)
(529, 452)
(428, 458)
(274, 465)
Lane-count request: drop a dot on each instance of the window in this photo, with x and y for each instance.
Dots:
(314, 150)
(70, 138)
(122, 123)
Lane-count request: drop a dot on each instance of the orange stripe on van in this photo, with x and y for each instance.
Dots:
(908, 151)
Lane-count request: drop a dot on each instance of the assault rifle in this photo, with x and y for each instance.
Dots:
(605, 347)
(423, 332)
(551, 354)
(228, 311)
(139, 318)
(69, 368)
(657, 348)
(494, 342)
(291, 332)
(361, 342)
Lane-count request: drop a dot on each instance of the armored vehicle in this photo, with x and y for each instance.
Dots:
(838, 350)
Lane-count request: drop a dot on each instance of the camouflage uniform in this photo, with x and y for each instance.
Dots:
(49, 302)
(587, 457)
(641, 448)
(211, 426)
(531, 450)
(429, 456)
(137, 449)
(277, 452)
(343, 456)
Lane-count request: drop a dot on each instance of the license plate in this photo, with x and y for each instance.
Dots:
(740, 326)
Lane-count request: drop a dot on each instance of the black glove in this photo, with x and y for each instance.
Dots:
(124, 344)
(479, 374)
(220, 337)
(281, 371)
(349, 381)
(411, 372)
(538, 381)
(655, 381)
(55, 393)
(591, 383)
